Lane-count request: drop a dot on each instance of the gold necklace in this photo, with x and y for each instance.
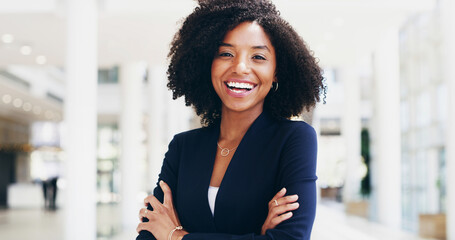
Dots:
(225, 151)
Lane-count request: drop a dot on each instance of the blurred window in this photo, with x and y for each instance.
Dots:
(441, 183)
(13, 78)
(330, 126)
(441, 103)
(423, 115)
(107, 164)
(107, 76)
(404, 116)
(45, 134)
(54, 97)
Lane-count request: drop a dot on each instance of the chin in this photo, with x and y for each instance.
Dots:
(243, 108)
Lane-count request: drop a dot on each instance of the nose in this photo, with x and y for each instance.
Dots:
(241, 66)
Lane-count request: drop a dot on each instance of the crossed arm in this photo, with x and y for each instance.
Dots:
(297, 174)
(164, 219)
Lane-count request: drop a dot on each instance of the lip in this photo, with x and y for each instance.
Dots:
(241, 94)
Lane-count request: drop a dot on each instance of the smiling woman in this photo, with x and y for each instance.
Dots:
(244, 68)
(249, 173)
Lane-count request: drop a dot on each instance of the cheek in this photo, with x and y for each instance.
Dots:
(268, 75)
(216, 67)
(215, 76)
(213, 72)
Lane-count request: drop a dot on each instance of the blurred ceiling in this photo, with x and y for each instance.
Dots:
(338, 31)
(16, 103)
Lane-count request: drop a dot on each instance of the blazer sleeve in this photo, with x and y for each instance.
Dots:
(169, 173)
(298, 174)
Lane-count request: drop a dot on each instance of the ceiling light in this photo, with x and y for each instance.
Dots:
(26, 50)
(37, 110)
(41, 59)
(7, 98)
(17, 102)
(27, 106)
(7, 38)
(49, 114)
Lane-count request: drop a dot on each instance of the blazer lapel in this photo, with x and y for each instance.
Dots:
(240, 166)
(198, 156)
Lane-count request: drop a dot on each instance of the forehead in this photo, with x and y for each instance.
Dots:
(249, 34)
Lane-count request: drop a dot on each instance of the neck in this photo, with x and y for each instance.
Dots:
(235, 124)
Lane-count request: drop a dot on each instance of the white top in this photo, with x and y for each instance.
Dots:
(213, 191)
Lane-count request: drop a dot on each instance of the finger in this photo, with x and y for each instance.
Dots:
(287, 199)
(144, 213)
(278, 195)
(154, 202)
(141, 213)
(140, 227)
(143, 226)
(167, 193)
(276, 211)
(279, 219)
(147, 200)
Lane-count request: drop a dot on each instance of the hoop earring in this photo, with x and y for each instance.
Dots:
(275, 86)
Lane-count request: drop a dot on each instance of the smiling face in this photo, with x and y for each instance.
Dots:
(244, 68)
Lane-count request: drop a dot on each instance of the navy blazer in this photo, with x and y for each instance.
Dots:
(273, 154)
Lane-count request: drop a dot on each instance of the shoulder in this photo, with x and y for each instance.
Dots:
(299, 150)
(193, 134)
(296, 128)
(190, 139)
(298, 138)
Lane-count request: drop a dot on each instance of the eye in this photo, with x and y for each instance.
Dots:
(259, 57)
(225, 54)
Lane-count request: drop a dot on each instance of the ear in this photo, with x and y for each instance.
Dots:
(274, 82)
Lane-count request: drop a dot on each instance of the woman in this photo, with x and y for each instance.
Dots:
(250, 172)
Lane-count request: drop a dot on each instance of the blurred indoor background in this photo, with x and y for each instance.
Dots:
(85, 115)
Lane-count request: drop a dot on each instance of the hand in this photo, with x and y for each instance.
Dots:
(163, 219)
(279, 210)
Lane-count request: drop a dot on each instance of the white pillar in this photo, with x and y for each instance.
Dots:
(157, 144)
(448, 50)
(386, 140)
(81, 119)
(131, 80)
(178, 116)
(351, 128)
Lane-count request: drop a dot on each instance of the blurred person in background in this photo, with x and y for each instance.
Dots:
(249, 173)
(51, 173)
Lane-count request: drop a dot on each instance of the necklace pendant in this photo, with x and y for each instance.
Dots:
(224, 152)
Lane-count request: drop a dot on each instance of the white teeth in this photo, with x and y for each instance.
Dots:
(236, 91)
(240, 85)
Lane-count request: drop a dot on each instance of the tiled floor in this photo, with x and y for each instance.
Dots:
(331, 223)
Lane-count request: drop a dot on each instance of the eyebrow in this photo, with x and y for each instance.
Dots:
(254, 47)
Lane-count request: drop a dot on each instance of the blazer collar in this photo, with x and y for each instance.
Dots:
(262, 121)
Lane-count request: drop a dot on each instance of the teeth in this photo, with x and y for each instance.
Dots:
(236, 91)
(240, 85)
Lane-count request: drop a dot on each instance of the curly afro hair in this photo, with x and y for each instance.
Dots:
(195, 44)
